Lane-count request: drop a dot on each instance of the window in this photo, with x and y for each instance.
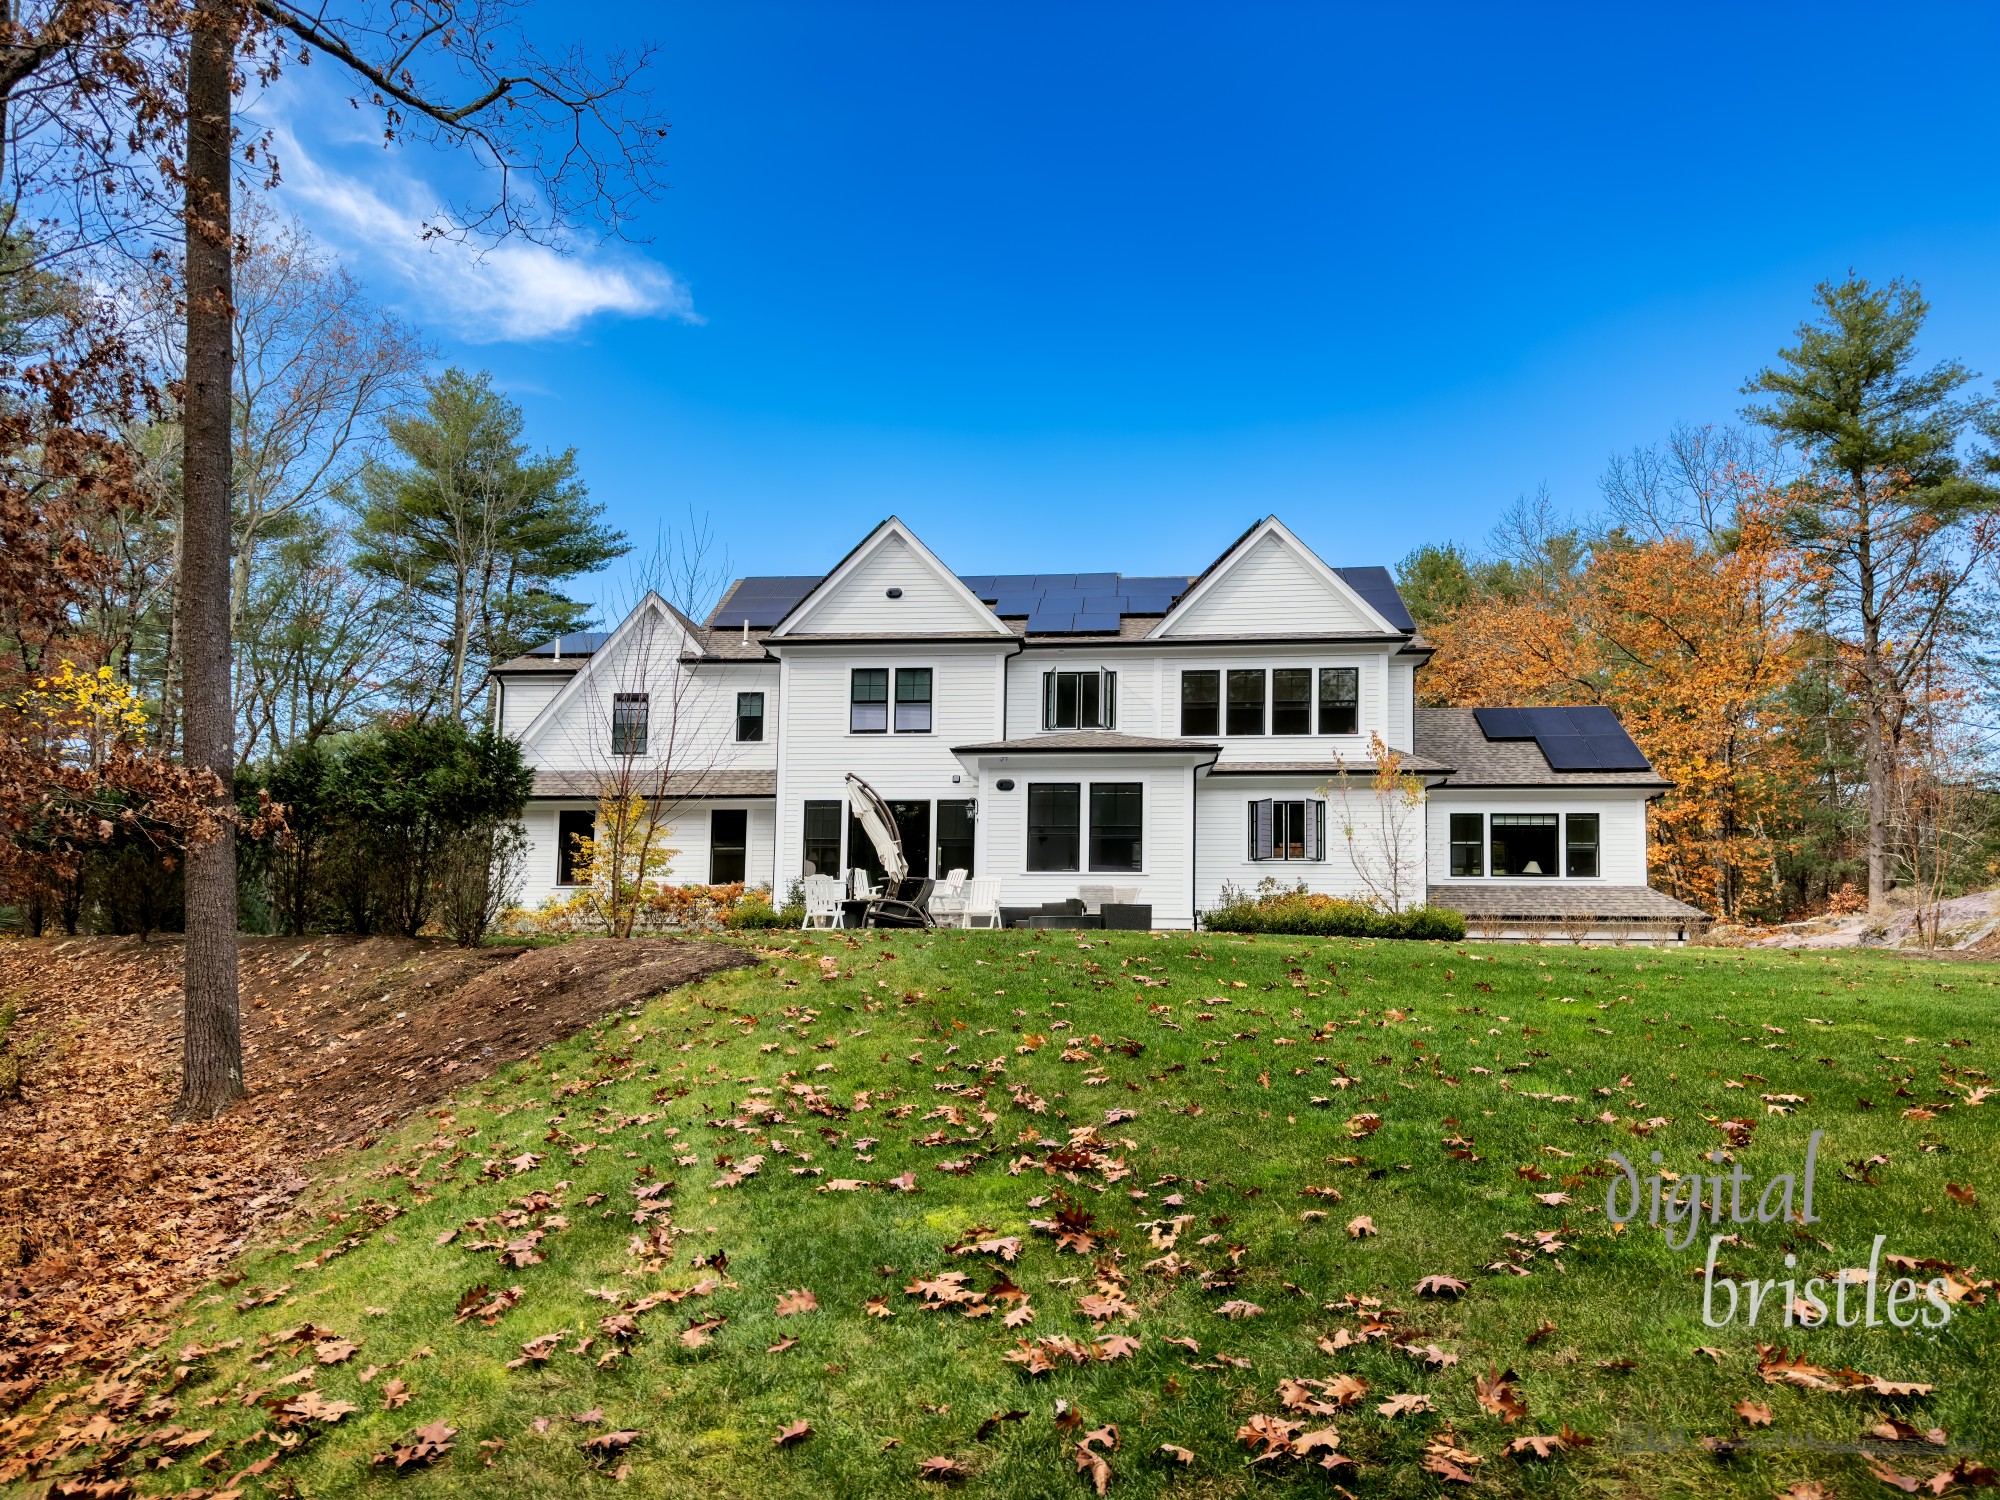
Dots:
(1288, 829)
(628, 723)
(1201, 695)
(913, 700)
(1582, 846)
(1524, 844)
(1117, 813)
(571, 829)
(1053, 830)
(868, 701)
(954, 836)
(749, 717)
(1246, 702)
(913, 831)
(1339, 700)
(1079, 700)
(1468, 843)
(822, 825)
(728, 844)
(1291, 700)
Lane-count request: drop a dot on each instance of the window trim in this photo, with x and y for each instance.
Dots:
(758, 738)
(1075, 867)
(1596, 846)
(1230, 676)
(628, 726)
(929, 700)
(1453, 843)
(1561, 814)
(1320, 702)
(854, 675)
(1107, 697)
(838, 809)
(1312, 829)
(1213, 674)
(1310, 703)
(743, 850)
(1088, 853)
(570, 857)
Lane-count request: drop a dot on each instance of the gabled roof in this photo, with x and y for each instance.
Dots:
(1272, 530)
(652, 606)
(890, 533)
(1050, 605)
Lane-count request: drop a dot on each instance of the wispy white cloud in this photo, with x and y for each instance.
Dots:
(507, 293)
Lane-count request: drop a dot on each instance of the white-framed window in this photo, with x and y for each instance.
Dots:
(1287, 828)
(913, 700)
(1097, 826)
(1079, 700)
(1526, 845)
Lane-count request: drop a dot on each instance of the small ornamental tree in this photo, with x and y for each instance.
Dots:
(1382, 832)
(625, 864)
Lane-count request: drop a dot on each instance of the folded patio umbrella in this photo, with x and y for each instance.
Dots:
(873, 814)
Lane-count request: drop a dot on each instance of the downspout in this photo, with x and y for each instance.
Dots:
(1194, 839)
(1019, 647)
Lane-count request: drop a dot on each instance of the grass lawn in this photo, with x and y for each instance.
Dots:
(1210, 1126)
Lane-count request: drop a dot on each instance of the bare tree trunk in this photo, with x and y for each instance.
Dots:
(212, 1043)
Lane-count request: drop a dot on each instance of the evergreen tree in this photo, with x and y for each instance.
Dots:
(478, 532)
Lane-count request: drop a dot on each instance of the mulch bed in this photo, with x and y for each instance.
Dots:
(109, 1213)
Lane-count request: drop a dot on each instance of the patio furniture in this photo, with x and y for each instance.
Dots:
(902, 902)
(948, 899)
(822, 896)
(859, 884)
(979, 902)
(1124, 916)
(1080, 921)
(1095, 896)
(906, 904)
(1017, 916)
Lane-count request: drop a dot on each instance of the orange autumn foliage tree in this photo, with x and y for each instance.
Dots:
(1693, 648)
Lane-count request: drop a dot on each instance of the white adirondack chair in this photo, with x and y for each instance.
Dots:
(980, 902)
(822, 893)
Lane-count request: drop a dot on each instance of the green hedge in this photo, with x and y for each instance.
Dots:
(1325, 916)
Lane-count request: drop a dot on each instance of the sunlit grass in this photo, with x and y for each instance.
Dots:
(1246, 1063)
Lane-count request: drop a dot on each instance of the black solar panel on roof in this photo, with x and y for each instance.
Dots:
(764, 601)
(1503, 723)
(1588, 738)
(1379, 589)
(582, 643)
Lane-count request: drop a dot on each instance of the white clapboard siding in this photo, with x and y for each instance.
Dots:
(521, 698)
(1269, 588)
(1223, 843)
(1374, 718)
(1138, 687)
(1401, 707)
(1621, 857)
(691, 712)
(818, 751)
(859, 604)
(687, 835)
(1003, 835)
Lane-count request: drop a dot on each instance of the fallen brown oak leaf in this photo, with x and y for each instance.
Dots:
(792, 1432)
(425, 1445)
(1497, 1395)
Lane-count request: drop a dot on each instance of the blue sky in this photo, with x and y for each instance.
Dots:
(1090, 286)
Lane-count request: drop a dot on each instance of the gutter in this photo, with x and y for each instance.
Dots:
(1194, 838)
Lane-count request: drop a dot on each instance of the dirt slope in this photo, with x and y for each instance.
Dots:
(108, 1212)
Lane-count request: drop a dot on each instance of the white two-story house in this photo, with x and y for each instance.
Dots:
(1163, 736)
